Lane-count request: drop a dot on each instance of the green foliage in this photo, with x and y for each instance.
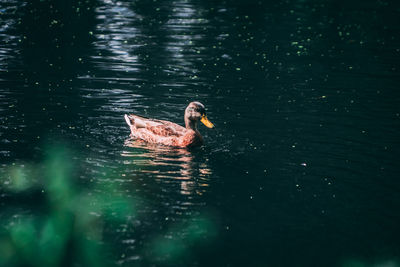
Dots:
(68, 226)
(172, 246)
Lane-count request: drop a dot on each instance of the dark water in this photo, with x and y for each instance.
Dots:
(302, 168)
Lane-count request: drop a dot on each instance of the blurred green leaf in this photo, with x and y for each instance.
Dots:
(7, 250)
(24, 238)
(18, 179)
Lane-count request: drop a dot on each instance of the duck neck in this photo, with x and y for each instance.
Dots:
(190, 124)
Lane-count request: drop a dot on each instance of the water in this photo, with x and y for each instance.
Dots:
(301, 169)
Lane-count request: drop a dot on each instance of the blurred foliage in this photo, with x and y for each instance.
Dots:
(69, 230)
(173, 247)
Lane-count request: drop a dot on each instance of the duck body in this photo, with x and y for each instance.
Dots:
(169, 133)
(162, 132)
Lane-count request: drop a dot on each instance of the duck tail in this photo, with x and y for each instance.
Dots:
(128, 120)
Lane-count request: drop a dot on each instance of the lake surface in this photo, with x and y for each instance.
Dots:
(301, 168)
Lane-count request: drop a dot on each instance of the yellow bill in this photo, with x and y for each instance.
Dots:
(206, 122)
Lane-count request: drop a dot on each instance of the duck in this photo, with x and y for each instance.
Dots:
(169, 133)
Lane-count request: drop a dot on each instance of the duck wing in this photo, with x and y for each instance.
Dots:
(154, 126)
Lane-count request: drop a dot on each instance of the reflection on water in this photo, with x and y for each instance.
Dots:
(169, 166)
(115, 38)
(9, 36)
(183, 38)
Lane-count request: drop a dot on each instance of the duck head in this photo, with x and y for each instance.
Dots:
(194, 113)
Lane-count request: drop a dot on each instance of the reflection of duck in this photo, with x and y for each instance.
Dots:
(169, 133)
(175, 169)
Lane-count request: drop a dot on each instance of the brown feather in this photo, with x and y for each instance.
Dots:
(163, 132)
